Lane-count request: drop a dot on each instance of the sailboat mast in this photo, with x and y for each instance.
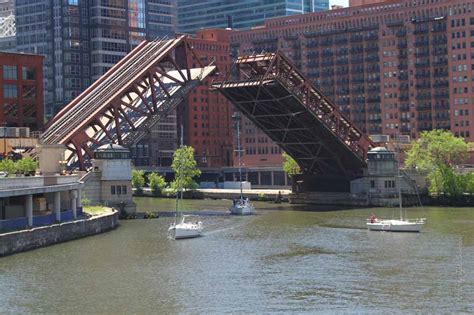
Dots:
(239, 153)
(399, 178)
(180, 190)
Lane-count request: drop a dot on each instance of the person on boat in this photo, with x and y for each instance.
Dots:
(372, 218)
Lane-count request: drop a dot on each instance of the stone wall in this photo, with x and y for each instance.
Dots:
(20, 241)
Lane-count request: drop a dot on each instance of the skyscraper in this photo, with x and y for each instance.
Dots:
(82, 39)
(196, 14)
(7, 26)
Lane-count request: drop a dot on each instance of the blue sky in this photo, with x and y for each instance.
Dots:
(339, 2)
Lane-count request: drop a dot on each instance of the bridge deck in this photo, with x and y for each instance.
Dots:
(123, 104)
(296, 115)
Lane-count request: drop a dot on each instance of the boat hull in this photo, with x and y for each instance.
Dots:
(395, 226)
(185, 230)
(241, 209)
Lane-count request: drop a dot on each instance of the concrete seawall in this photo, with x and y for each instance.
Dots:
(24, 240)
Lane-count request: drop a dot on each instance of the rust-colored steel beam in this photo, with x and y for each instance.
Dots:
(131, 97)
(305, 123)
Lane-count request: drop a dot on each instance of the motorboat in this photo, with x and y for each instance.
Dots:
(186, 228)
(242, 206)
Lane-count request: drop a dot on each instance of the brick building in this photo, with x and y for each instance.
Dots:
(207, 115)
(392, 67)
(21, 90)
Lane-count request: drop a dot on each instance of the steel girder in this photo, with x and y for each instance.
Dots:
(122, 105)
(284, 104)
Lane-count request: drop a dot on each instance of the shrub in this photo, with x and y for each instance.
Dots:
(157, 184)
(138, 181)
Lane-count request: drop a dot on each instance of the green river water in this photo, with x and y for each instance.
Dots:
(282, 259)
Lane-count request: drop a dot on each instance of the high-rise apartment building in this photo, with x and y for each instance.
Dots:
(207, 115)
(392, 67)
(195, 15)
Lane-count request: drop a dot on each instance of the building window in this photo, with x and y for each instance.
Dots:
(10, 91)
(28, 73)
(372, 184)
(124, 189)
(119, 190)
(9, 72)
(112, 190)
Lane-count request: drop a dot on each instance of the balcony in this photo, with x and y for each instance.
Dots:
(326, 42)
(422, 75)
(402, 45)
(342, 61)
(423, 85)
(341, 41)
(327, 53)
(358, 80)
(421, 30)
(312, 44)
(373, 99)
(421, 107)
(356, 50)
(372, 59)
(403, 76)
(401, 33)
(420, 43)
(422, 64)
(327, 63)
(422, 97)
(357, 38)
(404, 119)
(424, 118)
(441, 95)
(374, 109)
(442, 62)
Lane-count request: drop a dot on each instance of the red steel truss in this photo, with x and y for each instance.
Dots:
(145, 86)
(283, 103)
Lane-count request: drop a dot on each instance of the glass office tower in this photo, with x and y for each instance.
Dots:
(200, 14)
(82, 39)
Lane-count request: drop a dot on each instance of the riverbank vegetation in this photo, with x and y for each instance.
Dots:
(439, 154)
(185, 169)
(24, 166)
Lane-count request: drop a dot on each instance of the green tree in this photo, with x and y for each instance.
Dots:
(185, 169)
(435, 148)
(138, 181)
(157, 183)
(289, 165)
(436, 152)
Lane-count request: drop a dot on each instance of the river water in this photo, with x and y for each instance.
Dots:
(283, 259)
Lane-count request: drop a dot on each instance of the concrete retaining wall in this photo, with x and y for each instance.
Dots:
(20, 241)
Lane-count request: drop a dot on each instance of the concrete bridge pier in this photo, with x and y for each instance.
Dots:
(29, 209)
(57, 205)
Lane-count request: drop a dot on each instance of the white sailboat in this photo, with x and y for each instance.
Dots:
(240, 206)
(396, 225)
(186, 227)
